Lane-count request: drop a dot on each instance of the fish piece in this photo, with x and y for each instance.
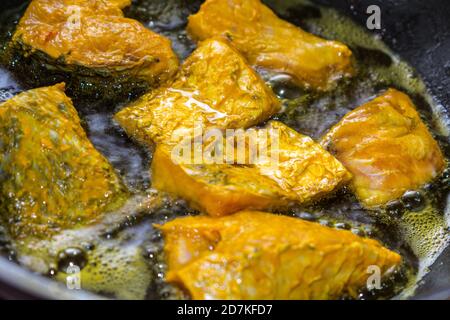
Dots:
(294, 170)
(215, 88)
(387, 148)
(93, 40)
(257, 255)
(272, 43)
(51, 176)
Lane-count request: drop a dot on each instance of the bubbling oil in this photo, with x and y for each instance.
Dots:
(122, 257)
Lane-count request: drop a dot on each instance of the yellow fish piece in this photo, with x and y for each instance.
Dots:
(51, 175)
(272, 43)
(301, 171)
(387, 148)
(257, 255)
(93, 38)
(215, 88)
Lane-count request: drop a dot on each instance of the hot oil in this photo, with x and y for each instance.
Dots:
(122, 256)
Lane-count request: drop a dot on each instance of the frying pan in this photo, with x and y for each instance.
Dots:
(417, 30)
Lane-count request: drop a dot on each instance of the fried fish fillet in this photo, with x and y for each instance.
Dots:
(256, 255)
(93, 39)
(51, 176)
(269, 42)
(215, 88)
(387, 148)
(295, 170)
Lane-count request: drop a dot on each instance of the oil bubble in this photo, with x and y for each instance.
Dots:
(395, 208)
(414, 201)
(71, 257)
(284, 87)
(342, 226)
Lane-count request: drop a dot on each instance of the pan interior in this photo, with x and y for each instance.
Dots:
(123, 255)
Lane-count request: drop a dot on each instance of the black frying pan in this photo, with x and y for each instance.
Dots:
(419, 31)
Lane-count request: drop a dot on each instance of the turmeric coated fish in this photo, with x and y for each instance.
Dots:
(295, 170)
(215, 88)
(256, 255)
(93, 40)
(387, 148)
(51, 175)
(271, 43)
